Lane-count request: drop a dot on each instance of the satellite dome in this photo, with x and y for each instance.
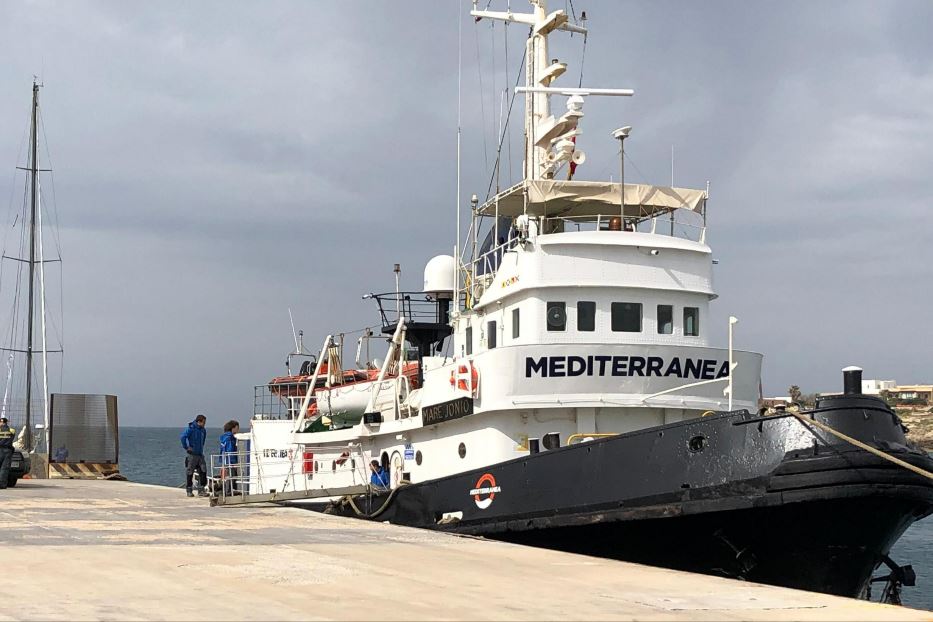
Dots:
(439, 277)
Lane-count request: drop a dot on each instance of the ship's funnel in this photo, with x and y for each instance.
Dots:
(852, 380)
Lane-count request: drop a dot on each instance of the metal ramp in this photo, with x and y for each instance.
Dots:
(299, 473)
(293, 495)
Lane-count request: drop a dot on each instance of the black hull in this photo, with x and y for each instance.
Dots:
(825, 546)
(734, 494)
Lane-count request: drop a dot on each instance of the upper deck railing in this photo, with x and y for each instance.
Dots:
(415, 307)
(682, 224)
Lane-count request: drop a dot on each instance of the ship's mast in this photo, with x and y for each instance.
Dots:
(548, 140)
(537, 106)
(538, 73)
(33, 204)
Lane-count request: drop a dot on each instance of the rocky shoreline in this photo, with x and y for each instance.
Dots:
(920, 425)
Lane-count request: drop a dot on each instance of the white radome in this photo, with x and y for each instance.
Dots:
(439, 276)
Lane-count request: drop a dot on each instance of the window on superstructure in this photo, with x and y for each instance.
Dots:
(691, 321)
(468, 337)
(515, 324)
(556, 316)
(586, 316)
(491, 335)
(665, 319)
(626, 317)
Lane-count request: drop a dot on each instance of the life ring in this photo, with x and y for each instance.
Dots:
(465, 378)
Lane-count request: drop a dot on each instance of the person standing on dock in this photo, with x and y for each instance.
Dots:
(7, 434)
(228, 456)
(192, 439)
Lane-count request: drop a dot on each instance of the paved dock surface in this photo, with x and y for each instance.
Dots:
(78, 550)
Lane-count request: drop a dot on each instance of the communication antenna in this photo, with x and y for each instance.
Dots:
(397, 269)
(294, 334)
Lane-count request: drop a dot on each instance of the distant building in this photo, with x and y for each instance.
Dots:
(912, 393)
(875, 387)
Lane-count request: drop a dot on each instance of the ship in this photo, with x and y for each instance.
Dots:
(554, 383)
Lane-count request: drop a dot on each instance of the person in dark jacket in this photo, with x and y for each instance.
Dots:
(7, 435)
(380, 477)
(192, 439)
(228, 456)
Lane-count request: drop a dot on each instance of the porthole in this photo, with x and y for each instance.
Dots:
(462, 450)
(697, 443)
(418, 458)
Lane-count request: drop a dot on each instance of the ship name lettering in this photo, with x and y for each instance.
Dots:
(604, 365)
(446, 411)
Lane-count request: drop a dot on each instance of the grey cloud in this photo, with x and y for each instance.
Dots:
(219, 163)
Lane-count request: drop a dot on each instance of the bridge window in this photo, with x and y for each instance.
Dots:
(665, 319)
(586, 316)
(515, 323)
(468, 337)
(556, 316)
(491, 335)
(626, 317)
(691, 321)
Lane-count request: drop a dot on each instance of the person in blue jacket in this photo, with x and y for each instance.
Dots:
(228, 456)
(192, 439)
(380, 477)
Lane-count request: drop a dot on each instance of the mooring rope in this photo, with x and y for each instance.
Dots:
(922, 472)
(382, 508)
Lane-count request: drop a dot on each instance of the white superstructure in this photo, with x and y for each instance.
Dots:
(582, 315)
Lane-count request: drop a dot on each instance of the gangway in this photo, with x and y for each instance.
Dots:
(303, 472)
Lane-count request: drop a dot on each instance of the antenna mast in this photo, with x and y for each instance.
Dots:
(33, 203)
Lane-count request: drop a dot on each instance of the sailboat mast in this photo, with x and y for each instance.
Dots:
(34, 170)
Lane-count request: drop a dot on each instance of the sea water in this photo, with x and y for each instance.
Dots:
(155, 456)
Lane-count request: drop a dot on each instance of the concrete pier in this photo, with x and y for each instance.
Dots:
(106, 550)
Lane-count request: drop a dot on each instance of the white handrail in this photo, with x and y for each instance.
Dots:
(726, 379)
(299, 421)
(393, 346)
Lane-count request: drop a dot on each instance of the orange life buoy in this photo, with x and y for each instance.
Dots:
(465, 378)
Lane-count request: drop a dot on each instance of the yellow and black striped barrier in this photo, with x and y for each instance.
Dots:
(83, 470)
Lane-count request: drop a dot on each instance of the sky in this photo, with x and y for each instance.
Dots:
(218, 164)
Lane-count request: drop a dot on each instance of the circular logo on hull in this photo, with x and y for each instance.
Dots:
(485, 491)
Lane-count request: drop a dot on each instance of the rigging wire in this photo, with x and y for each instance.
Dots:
(10, 213)
(482, 100)
(505, 47)
(56, 233)
(582, 60)
(494, 91)
(459, 131)
(56, 230)
(505, 129)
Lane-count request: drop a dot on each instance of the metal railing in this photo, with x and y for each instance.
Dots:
(413, 306)
(481, 270)
(278, 401)
(302, 471)
(686, 225)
